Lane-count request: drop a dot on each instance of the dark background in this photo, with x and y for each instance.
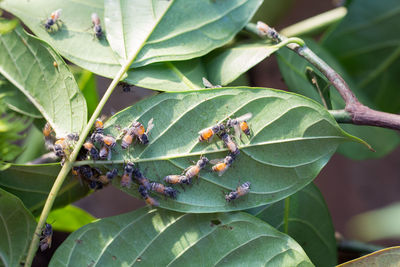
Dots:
(349, 187)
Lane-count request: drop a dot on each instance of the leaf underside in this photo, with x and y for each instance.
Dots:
(292, 139)
(164, 238)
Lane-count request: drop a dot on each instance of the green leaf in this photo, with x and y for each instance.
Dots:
(69, 218)
(225, 65)
(7, 25)
(376, 224)
(27, 62)
(16, 229)
(88, 85)
(16, 100)
(293, 69)
(389, 257)
(283, 124)
(366, 43)
(32, 184)
(162, 30)
(305, 217)
(164, 238)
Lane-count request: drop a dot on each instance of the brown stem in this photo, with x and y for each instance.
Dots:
(359, 114)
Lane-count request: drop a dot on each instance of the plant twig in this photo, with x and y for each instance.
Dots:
(358, 113)
(69, 163)
(358, 247)
(45, 158)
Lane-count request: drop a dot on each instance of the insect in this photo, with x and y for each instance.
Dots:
(46, 237)
(162, 189)
(207, 134)
(89, 146)
(194, 170)
(240, 124)
(126, 178)
(126, 87)
(140, 132)
(233, 148)
(96, 26)
(62, 147)
(221, 166)
(47, 131)
(149, 200)
(176, 179)
(208, 84)
(106, 179)
(53, 20)
(127, 139)
(105, 152)
(241, 190)
(141, 179)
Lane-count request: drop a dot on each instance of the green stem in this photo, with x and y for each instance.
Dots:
(69, 163)
(341, 116)
(358, 247)
(315, 24)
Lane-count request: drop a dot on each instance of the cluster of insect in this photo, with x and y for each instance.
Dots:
(100, 146)
(54, 23)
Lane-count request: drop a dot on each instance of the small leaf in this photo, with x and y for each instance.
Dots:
(69, 218)
(367, 46)
(225, 65)
(7, 25)
(164, 238)
(162, 30)
(305, 217)
(32, 184)
(17, 101)
(376, 224)
(388, 257)
(16, 229)
(27, 62)
(293, 138)
(293, 69)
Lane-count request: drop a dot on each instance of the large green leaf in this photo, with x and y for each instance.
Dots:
(16, 229)
(293, 139)
(16, 100)
(28, 63)
(32, 184)
(367, 43)
(305, 217)
(69, 218)
(388, 257)
(162, 30)
(164, 238)
(293, 69)
(212, 24)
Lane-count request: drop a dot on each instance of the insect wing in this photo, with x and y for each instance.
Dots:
(207, 83)
(150, 125)
(216, 161)
(244, 117)
(238, 134)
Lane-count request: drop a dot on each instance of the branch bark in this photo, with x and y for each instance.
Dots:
(358, 113)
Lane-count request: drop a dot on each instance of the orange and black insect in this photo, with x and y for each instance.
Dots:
(221, 166)
(92, 150)
(240, 124)
(194, 170)
(128, 138)
(241, 190)
(145, 194)
(96, 26)
(107, 178)
(105, 152)
(232, 146)
(53, 20)
(139, 131)
(47, 131)
(207, 134)
(139, 177)
(162, 189)
(176, 179)
(126, 178)
(46, 237)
